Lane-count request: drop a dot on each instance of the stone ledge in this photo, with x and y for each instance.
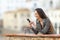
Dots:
(32, 35)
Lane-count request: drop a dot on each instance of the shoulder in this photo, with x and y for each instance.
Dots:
(46, 20)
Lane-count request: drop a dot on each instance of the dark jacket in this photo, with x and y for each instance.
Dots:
(46, 29)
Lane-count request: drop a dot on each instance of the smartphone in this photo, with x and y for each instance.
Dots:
(28, 20)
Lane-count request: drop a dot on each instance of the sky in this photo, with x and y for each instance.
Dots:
(14, 4)
(11, 5)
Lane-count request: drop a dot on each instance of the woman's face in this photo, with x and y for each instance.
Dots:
(37, 15)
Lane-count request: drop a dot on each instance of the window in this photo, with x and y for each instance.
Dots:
(59, 28)
(55, 27)
(28, 15)
(51, 3)
(15, 27)
(15, 15)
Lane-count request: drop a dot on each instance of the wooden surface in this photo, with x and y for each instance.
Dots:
(32, 37)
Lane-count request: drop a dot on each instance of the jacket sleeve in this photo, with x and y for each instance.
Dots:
(46, 28)
(34, 30)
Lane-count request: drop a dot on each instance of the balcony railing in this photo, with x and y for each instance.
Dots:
(32, 36)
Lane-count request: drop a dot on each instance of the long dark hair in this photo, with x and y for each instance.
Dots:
(43, 16)
(41, 13)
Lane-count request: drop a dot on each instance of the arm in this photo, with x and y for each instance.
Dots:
(46, 28)
(31, 24)
(34, 30)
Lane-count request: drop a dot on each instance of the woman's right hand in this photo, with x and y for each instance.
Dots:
(31, 24)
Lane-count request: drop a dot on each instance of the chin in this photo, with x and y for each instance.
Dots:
(37, 18)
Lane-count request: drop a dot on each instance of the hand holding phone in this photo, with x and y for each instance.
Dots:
(28, 20)
(32, 24)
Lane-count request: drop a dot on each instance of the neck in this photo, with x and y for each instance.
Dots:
(40, 19)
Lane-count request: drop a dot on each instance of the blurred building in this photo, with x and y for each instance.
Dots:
(16, 19)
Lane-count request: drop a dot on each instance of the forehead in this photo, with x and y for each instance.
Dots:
(35, 11)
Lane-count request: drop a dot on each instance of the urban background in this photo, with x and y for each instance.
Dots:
(13, 14)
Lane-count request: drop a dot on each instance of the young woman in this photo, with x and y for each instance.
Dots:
(43, 24)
